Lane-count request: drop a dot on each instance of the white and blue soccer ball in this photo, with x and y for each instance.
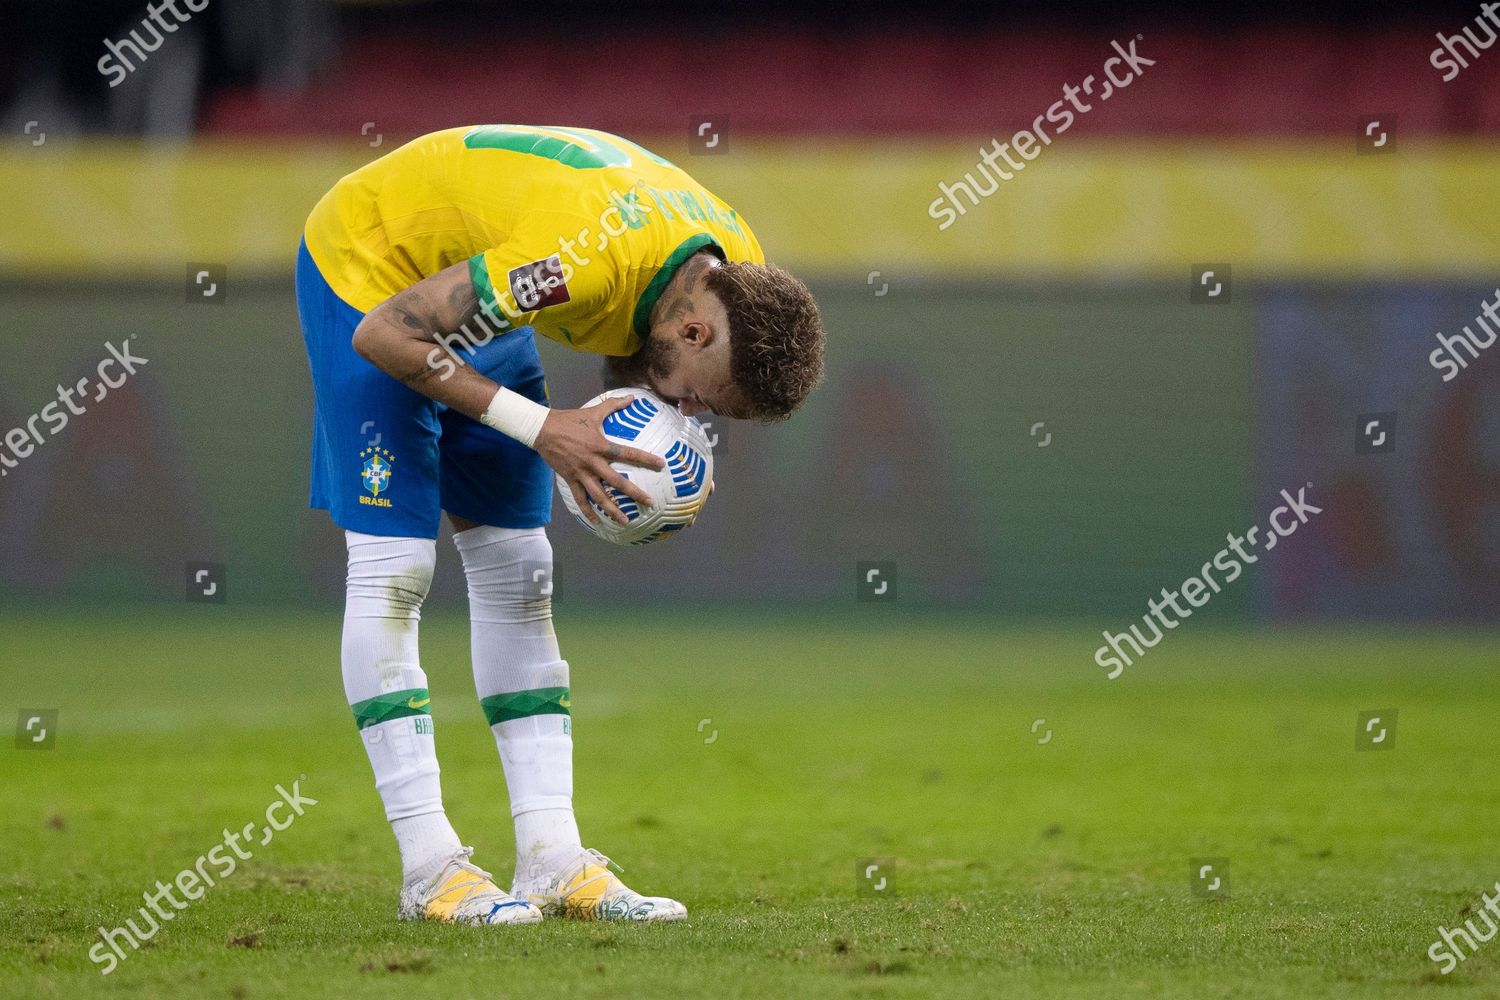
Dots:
(680, 490)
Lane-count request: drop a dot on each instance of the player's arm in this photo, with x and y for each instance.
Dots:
(400, 336)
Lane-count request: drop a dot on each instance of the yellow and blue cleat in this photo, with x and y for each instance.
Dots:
(463, 893)
(586, 889)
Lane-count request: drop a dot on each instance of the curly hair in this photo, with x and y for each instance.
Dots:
(776, 337)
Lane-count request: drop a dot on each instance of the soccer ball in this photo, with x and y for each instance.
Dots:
(680, 490)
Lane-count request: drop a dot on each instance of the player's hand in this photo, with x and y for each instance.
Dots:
(573, 443)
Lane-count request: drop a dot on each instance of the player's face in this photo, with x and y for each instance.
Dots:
(688, 363)
(698, 381)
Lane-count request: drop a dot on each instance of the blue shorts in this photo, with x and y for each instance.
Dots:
(387, 460)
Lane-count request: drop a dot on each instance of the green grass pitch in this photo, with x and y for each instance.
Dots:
(1016, 867)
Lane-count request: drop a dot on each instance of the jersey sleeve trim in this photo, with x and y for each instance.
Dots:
(641, 319)
(479, 273)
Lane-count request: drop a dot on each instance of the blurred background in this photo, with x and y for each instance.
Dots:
(1035, 411)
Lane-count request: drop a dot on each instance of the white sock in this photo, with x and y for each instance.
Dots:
(426, 842)
(387, 690)
(522, 682)
(550, 839)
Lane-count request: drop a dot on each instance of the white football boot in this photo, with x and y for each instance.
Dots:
(585, 889)
(463, 893)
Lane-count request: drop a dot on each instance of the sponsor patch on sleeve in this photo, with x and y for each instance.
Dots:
(539, 284)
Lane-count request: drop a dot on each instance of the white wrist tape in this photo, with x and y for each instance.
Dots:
(513, 415)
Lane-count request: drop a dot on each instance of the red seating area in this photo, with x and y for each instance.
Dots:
(1285, 81)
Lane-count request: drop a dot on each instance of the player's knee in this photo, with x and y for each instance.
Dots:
(407, 589)
(396, 572)
(509, 571)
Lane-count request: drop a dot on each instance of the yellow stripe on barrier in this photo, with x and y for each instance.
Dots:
(1081, 208)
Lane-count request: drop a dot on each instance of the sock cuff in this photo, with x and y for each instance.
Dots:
(509, 706)
(412, 795)
(390, 706)
(537, 803)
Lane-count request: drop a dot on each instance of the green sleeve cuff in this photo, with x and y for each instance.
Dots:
(479, 273)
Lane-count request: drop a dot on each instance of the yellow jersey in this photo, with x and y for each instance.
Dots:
(574, 232)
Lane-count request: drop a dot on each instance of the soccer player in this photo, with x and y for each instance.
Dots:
(420, 282)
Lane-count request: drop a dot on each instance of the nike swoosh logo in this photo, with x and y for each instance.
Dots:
(414, 703)
(565, 701)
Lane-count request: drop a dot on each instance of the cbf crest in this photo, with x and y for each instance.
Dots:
(375, 475)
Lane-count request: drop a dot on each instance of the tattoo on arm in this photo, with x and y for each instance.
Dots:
(410, 319)
(463, 301)
(434, 321)
(418, 376)
(406, 334)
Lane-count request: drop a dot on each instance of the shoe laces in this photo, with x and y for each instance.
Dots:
(580, 864)
(475, 886)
